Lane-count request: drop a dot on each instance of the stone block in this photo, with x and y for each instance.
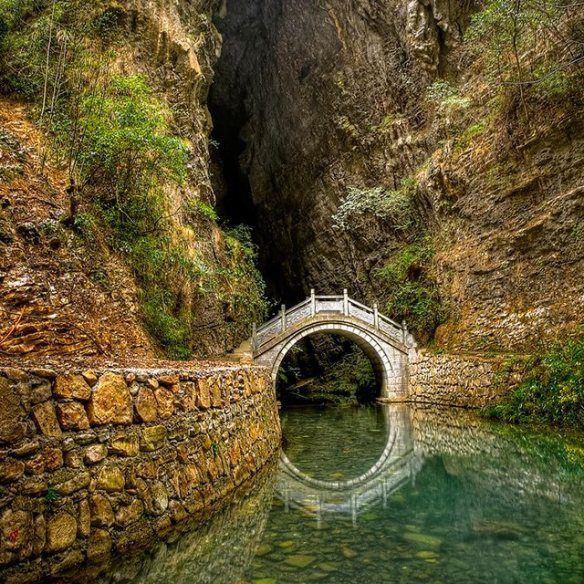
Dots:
(125, 446)
(61, 532)
(72, 416)
(110, 402)
(130, 513)
(95, 453)
(102, 513)
(165, 401)
(110, 478)
(71, 386)
(12, 414)
(146, 405)
(100, 546)
(153, 438)
(46, 420)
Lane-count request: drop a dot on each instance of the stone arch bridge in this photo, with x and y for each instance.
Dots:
(387, 343)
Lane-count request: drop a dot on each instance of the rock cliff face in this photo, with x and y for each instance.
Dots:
(61, 296)
(325, 97)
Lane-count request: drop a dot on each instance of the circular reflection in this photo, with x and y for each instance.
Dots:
(358, 481)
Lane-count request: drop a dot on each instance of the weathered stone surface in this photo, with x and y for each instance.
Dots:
(168, 380)
(100, 545)
(11, 470)
(110, 402)
(204, 394)
(90, 377)
(165, 401)
(102, 513)
(146, 405)
(95, 453)
(130, 513)
(153, 438)
(110, 478)
(84, 518)
(71, 386)
(53, 458)
(12, 427)
(72, 416)
(68, 486)
(125, 445)
(16, 531)
(61, 532)
(46, 419)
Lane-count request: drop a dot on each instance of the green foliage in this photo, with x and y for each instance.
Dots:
(128, 150)
(446, 96)
(411, 294)
(198, 209)
(552, 390)
(391, 205)
(528, 47)
(51, 495)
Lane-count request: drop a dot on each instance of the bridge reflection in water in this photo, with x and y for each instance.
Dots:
(398, 465)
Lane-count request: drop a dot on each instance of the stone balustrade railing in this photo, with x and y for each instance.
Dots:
(314, 305)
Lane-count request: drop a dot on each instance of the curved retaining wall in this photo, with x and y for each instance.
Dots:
(93, 464)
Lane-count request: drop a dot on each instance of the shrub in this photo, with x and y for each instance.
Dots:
(411, 294)
(392, 205)
(552, 390)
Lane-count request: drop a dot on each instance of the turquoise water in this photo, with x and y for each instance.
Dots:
(393, 494)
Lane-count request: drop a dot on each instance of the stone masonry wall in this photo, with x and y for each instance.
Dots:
(459, 380)
(93, 464)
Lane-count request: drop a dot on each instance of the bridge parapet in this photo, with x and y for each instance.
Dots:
(388, 344)
(327, 305)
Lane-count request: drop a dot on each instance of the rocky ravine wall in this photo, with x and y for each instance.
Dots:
(94, 464)
(460, 380)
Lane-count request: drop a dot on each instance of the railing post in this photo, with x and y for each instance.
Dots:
(404, 331)
(283, 317)
(345, 302)
(376, 316)
(312, 302)
(254, 338)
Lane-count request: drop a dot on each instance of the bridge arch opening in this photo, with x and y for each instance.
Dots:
(334, 365)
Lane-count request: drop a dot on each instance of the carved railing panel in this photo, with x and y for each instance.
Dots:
(315, 305)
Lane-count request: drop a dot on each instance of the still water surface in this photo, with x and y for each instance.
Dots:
(393, 494)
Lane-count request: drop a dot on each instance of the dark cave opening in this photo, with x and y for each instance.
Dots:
(234, 197)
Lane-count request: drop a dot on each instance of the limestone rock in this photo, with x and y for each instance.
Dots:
(11, 470)
(79, 480)
(204, 395)
(110, 401)
(53, 458)
(61, 531)
(90, 377)
(95, 453)
(153, 437)
(165, 401)
(71, 386)
(110, 478)
(12, 427)
(46, 419)
(146, 406)
(100, 546)
(72, 416)
(125, 445)
(102, 513)
(84, 515)
(130, 513)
